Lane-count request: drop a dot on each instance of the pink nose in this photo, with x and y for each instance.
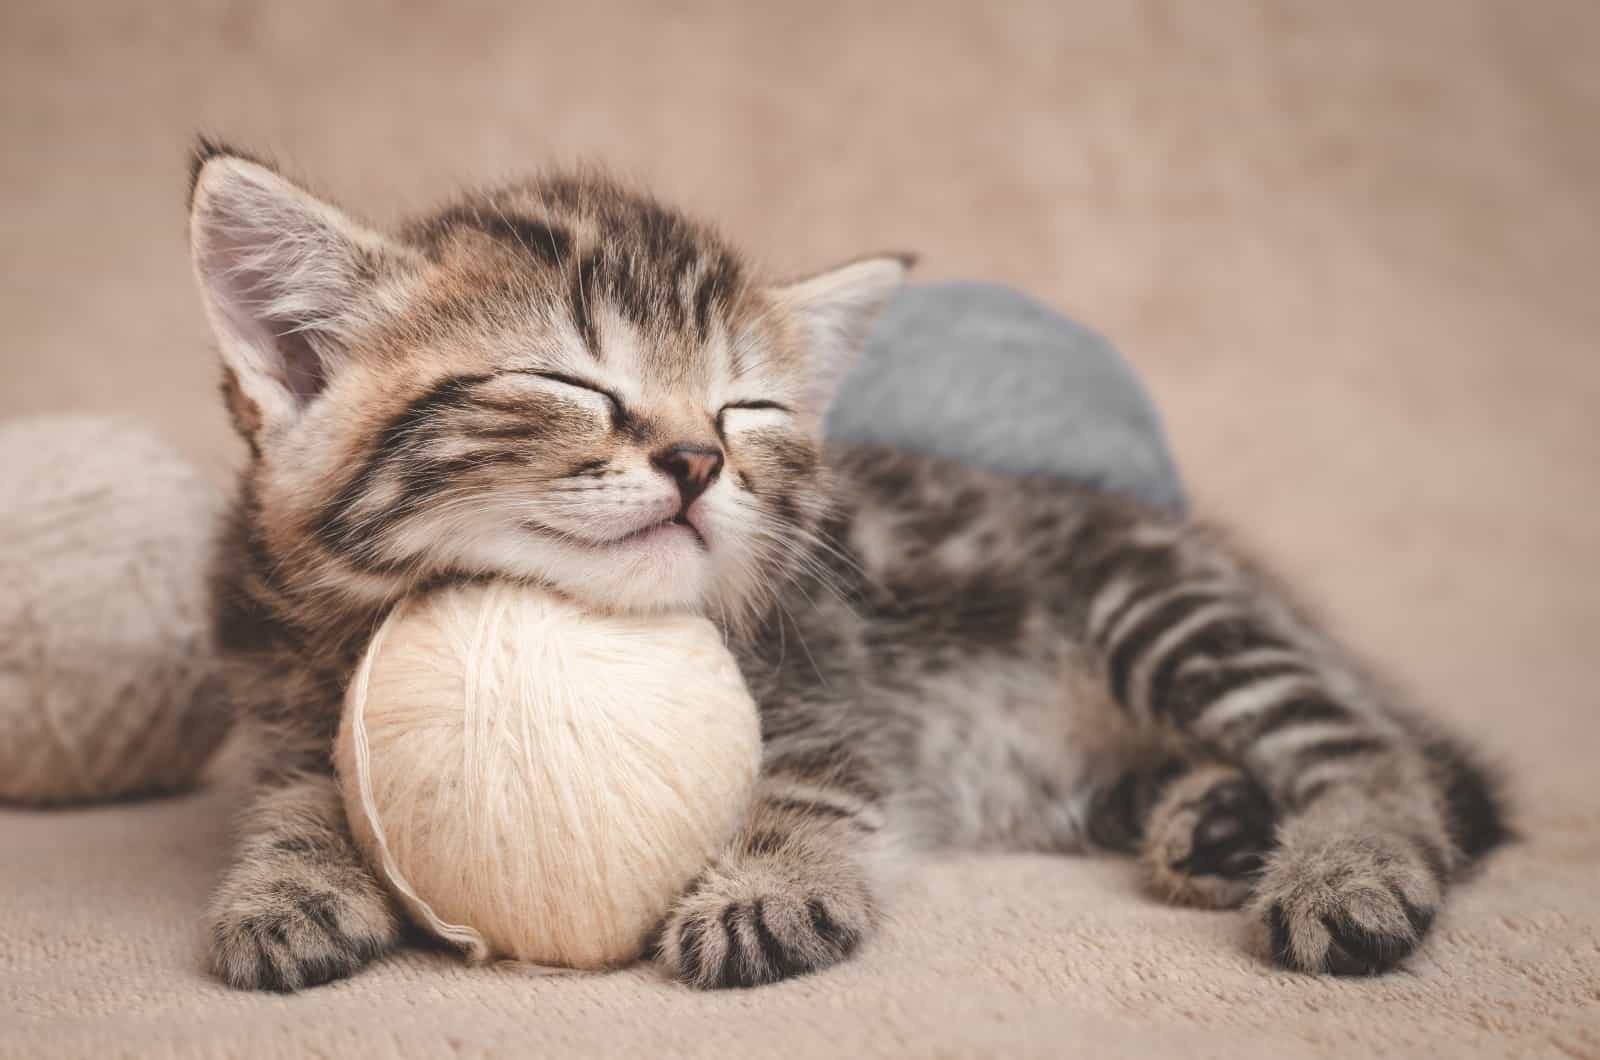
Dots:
(693, 467)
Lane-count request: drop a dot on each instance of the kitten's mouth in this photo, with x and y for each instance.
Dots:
(680, 528)
(678, 525)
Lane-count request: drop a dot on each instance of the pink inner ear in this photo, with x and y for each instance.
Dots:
(303, 372)
(239, 271)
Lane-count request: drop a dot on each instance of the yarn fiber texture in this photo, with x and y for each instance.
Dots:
(536, 781)
(106, 665)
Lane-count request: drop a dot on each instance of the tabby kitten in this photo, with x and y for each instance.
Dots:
(568, 383)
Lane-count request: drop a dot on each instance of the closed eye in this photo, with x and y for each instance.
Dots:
(618, 410)
(755, 405)
(748, 406)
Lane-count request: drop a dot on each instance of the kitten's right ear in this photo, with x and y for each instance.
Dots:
(286, 279)
(835, 308)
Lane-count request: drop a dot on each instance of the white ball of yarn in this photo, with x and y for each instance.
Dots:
(537, 781)
(107, 671)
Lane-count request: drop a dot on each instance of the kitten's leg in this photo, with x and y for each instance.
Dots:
(794, 892)
(297, 907)
(1190, 643)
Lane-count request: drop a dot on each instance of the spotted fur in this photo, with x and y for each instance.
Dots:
(508, 388)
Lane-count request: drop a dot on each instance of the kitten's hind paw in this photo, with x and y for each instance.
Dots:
(1208, 837)
(1350, 903)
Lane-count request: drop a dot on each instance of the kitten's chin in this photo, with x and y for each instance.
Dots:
(665, 569)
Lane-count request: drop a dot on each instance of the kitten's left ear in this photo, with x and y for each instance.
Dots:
(287, 279)
(834, 310)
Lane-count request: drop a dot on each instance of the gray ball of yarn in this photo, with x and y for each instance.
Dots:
(107, 674)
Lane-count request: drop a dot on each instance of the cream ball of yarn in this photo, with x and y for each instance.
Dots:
(107, 672)
(537, 781)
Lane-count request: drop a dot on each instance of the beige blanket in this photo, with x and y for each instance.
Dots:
(1351, 247)
(1014, 956)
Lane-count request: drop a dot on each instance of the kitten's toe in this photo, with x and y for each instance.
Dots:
(1208, 836)
(755, 920)
(1350, 905)
(289, 934)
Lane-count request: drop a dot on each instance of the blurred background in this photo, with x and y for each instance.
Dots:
(1352, 248)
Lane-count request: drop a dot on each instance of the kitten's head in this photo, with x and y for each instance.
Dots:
(562, 382)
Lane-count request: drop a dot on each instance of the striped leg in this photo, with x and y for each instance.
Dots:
(792, 894)
(1191, 644)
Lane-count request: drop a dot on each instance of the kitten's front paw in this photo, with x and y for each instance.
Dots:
(1349, 904)
(755, 919)
(290, 931)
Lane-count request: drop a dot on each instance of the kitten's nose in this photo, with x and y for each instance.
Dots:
(693, 467)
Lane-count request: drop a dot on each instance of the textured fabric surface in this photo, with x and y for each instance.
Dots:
(985, 374)
(1003, 956)
(1348, 246)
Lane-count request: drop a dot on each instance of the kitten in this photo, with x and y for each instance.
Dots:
(568, 383)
